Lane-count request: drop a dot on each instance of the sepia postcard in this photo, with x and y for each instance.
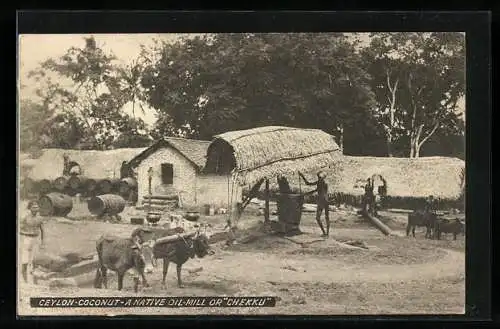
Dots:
(241, 173)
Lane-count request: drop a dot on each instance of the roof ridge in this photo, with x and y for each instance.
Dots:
(188, 139)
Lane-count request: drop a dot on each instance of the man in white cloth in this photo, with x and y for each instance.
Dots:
(31, 229)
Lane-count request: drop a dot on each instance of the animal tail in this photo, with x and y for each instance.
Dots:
(98, 274)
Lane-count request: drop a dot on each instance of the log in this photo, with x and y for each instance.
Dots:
(378, 224)
(161, 197)
(60, 183)
(110, 204)
(55, 204)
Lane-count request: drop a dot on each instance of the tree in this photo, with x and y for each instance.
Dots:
(418, 78)
(211, 84)
(93, 97)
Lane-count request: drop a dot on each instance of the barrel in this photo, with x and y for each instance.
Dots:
(106, 186)
(60, 183)
(110, 204)
(290, 208)
(126, 185)
(29, 185)
(91, 186)
(55, 204)
(44, 186)
(77, 182)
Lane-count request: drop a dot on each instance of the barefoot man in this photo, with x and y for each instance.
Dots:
(31, 229)
(322, 200)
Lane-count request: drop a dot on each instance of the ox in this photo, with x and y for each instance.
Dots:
(421, 219)
(122, 255)
(180, 251)
(454, 227)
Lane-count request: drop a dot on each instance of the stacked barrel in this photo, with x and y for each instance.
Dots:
(85, 186)
(105, 196)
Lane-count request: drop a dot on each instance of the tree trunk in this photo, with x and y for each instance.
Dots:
(417, 151)
(389, 144)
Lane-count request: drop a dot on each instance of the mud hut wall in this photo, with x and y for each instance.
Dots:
(215, 190)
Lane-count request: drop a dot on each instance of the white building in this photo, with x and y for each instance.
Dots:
(176, 166)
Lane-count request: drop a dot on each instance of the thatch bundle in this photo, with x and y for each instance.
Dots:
(270, 152)
(406, 178)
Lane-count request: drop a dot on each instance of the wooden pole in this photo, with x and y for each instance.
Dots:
(266, 210)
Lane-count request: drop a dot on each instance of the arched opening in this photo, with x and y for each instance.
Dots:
(220, 158)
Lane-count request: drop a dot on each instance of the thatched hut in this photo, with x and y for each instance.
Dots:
(269, 152)
(272, 153)
(408, 180)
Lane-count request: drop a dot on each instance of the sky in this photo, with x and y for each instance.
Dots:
(36, 48)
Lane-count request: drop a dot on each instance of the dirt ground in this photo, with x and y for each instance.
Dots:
(395, 275)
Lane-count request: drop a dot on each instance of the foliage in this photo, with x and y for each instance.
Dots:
(418, 79)
(209, 85)
(396, 96)
(89, 107)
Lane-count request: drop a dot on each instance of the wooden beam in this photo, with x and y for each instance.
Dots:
(250, 196)
(173, 238)
(266, 210)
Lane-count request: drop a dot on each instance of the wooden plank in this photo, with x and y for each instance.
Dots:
(161, 197)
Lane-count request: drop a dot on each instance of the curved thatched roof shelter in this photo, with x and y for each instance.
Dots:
(417, 178)
(270, 151)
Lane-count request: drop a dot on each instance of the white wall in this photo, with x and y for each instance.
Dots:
(213, 189)
(184, 175)
(197, 189)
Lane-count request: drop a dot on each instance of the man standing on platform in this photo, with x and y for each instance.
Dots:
(322, 200)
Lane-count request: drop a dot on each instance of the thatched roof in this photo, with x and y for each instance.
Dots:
(193, 150)
(270, 151)
(421, 177)
(94, 164)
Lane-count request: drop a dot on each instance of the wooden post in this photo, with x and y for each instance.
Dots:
(266, 210)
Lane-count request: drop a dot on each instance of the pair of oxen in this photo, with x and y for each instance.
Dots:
(139, 253)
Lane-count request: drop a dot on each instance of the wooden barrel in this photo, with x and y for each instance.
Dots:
(44, 186)
(91, 185)
(107, 186)
(77, 182)
(29, 185)
(126, 185)
(55, 204)
(60, 183)
(110, 204)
